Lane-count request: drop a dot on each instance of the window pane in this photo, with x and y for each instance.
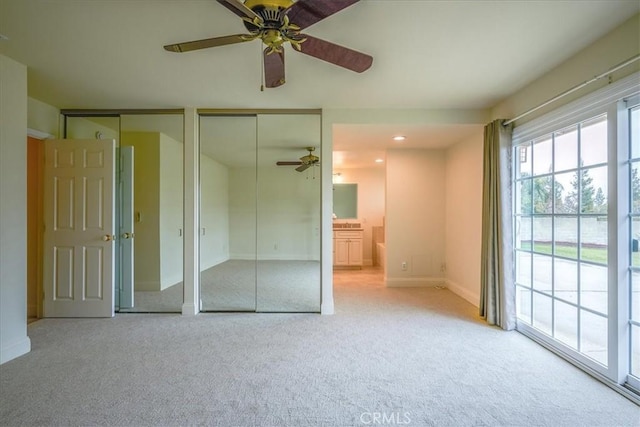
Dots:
(543, 194)
(593, 336)
(593, 141)
(635, 351)
(542, 234)
(542, 273)
(566, 196)
(542, 313)
(565, 323)
(523, 304)
(566, 236)
(566, 280)
(542, 156)
(523, 197)
(593, 288)
(523, 153)
(635, 242)
(566, 149)
(593, 239)
(635, 297)
(635, 187)
(593, 190)
(523, 268)
(634, 134)
(523, 232)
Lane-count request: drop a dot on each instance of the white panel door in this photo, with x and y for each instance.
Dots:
(79, 228)
(126, 227)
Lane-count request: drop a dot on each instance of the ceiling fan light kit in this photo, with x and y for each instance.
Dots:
(277, 22)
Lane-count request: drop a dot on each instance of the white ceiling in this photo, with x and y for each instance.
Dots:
(427, 54)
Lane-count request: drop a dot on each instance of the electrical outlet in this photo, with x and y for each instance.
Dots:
(404, 265)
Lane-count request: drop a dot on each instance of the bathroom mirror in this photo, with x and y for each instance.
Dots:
(345, 200)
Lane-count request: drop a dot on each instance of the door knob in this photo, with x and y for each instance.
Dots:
(128, 235)
(108, 237)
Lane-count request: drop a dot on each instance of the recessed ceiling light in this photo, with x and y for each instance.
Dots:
(379, 160)
(399, 138)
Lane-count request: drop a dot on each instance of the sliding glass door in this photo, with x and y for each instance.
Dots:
(577, 228)
(631, 117)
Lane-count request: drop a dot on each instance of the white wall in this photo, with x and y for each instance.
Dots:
(288, 214)
(146, 202)
(371, 196)
(214, 212)
(86, 128)
(43, 117)
(464, 217)
(464, 160)
(171, 203)
(242, 213)
(158, 199)
(415, 217)
(619, 45)
(13, 210)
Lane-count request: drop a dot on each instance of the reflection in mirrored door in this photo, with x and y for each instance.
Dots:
(288, 210)
(155, 234)
(228, 213)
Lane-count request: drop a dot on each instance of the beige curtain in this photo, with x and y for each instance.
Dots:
(497, 290)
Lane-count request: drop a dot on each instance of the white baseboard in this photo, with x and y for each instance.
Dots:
(15, 349)
(213, 263)
(147, 286)
(171, 282)
(283, 257)
(189, 309)
(463, 292)
(326, 308)
(414, 282)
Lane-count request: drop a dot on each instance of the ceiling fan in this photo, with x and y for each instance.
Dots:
(277, 22)
(305, 162)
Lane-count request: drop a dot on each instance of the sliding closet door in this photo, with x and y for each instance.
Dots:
(288, 214)
(228, 213)
(154, 232)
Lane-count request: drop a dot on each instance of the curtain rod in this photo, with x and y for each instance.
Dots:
(573, 89)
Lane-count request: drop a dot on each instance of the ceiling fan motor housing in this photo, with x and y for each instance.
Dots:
(271, 11)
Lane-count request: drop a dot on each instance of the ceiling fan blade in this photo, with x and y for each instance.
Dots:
(241, 10)
(305, 13)
(336, 54)
(273, 68)
(303, 167)
(206, 43)
(285, 163)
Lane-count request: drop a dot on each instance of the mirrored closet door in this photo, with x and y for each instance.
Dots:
(288, 232)
(151, 213)
(260, 212)
(228, 213)
(148, 205)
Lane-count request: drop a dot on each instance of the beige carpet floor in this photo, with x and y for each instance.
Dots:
(240, 285)
(403, 356)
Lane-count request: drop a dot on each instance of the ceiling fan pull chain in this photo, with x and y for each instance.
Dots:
(261, 70)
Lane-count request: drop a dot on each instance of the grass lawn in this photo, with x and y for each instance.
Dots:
(598, 255)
